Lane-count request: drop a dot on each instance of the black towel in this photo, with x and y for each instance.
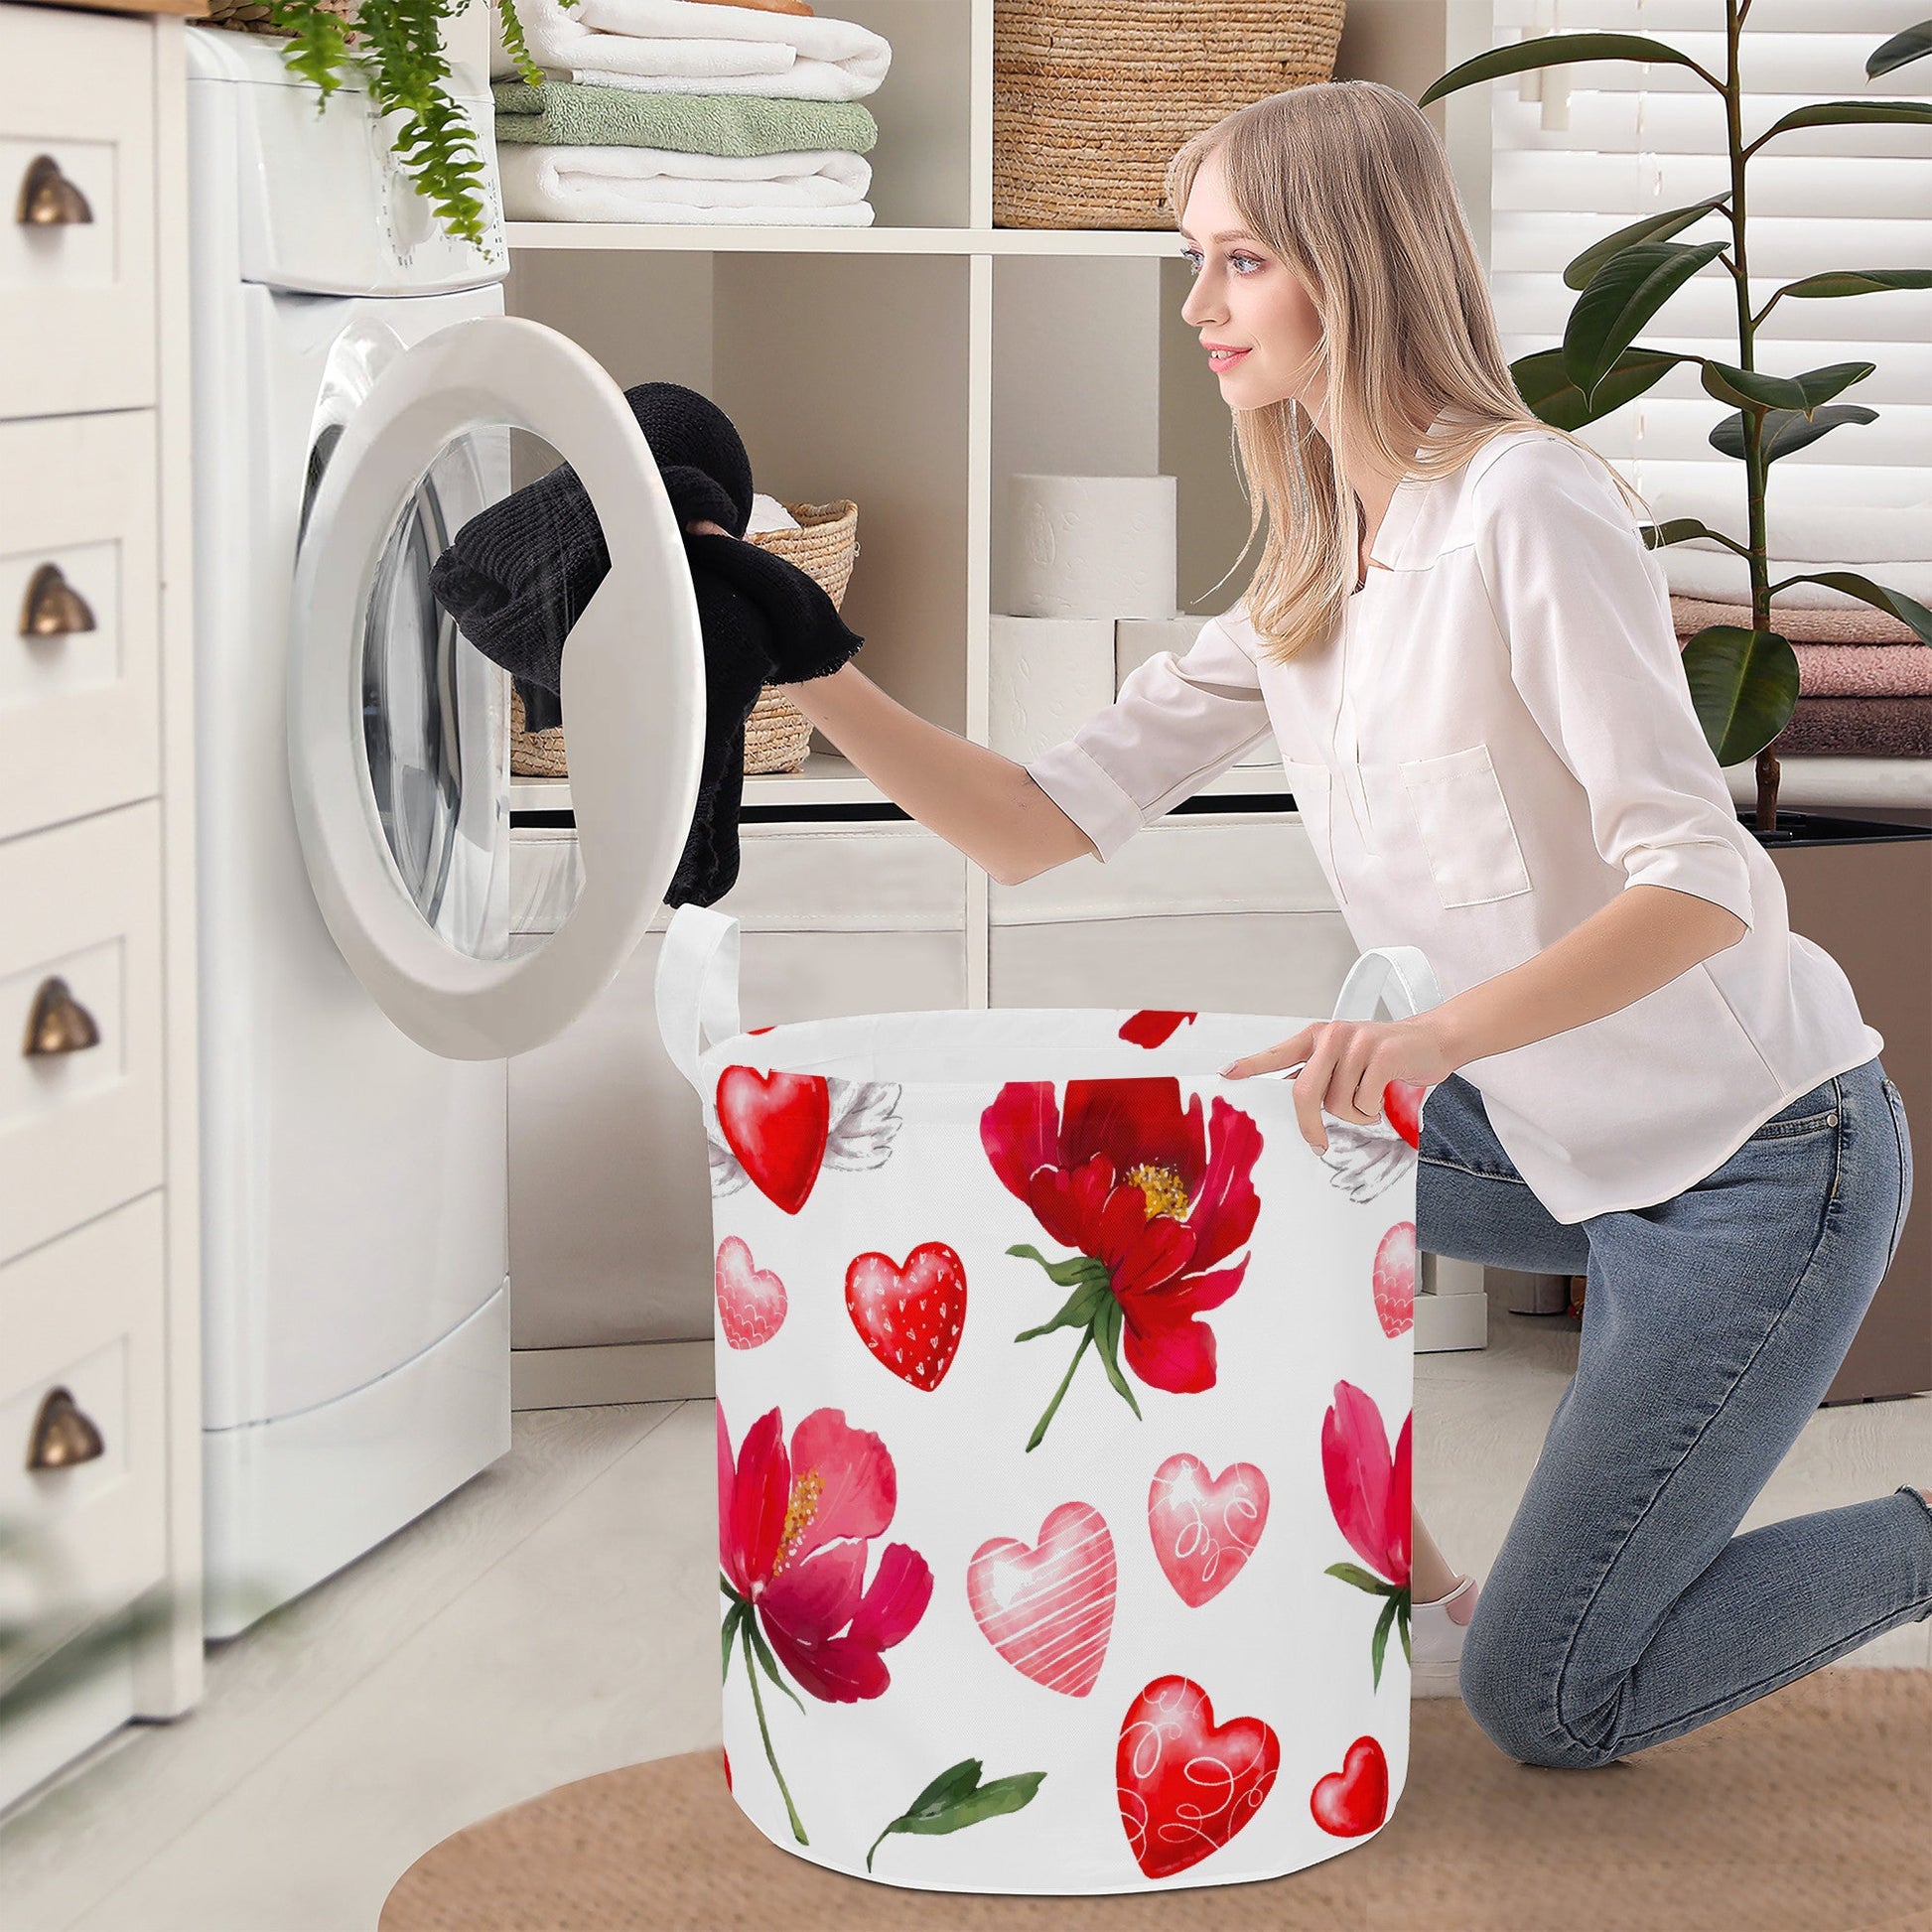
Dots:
(519, 574)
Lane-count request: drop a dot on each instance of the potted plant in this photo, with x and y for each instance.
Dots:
(1743, 682)
(398, 45)
(1867, 883)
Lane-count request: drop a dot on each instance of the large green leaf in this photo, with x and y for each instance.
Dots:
(1857, 281)
(1753, 389)
(1653, 227)
(1908, 610)
(1677, 530)
(1552, 51)
(1545, 385)
(1911, 45)
(1786, 430)
(1743, 687)
(1844, 113)
(1622, 297)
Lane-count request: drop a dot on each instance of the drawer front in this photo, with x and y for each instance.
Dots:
(80, 1124)
(77, 157)
(79, 605)
(86, 1315)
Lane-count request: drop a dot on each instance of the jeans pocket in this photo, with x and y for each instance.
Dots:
(1897, 1101)
(1815, 1112)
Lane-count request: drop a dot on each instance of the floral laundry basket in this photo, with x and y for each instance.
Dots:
(1064, 1437)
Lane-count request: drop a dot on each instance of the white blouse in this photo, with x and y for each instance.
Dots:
(1499, 742)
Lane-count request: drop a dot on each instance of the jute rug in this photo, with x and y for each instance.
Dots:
(1805, 1812)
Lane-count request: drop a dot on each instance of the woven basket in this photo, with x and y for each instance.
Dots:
(778, 733)
(251, 16)
(1092, 98)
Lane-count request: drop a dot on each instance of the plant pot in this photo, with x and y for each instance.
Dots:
(1862, 888)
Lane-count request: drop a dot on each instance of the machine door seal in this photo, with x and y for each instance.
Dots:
(633, 688)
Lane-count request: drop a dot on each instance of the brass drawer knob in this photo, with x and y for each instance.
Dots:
(53, 607)
(62, 1434)
(48, 200)
(58, 1023)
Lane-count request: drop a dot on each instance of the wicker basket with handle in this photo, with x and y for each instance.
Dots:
(1091, 97)
(778, 733)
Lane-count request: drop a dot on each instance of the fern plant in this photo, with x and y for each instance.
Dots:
(1744, 681)
(398, 48)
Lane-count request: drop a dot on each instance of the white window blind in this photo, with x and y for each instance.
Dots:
(1583, 150)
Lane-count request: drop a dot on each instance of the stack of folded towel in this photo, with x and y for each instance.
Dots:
(687, 110)
(1865, 678)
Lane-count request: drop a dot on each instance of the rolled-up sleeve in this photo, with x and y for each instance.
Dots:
(1585, 609)
(1176, 724)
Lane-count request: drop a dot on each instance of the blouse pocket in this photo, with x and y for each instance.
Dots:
(1466, 830)
(1310, 783)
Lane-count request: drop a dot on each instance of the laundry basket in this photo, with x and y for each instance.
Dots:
(1064, 1437)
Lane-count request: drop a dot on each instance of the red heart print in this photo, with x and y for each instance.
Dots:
(910, 1317)
(1354, 1799)
(1048, 1610)
(1204, 1528)
(1394, 1280)
(1402, 1104)
(1187, 1785)
(750, 1300)
(777, 1124)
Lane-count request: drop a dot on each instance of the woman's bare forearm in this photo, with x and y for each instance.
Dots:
(978, 800)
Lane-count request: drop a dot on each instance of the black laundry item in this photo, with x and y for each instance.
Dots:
(517, 576)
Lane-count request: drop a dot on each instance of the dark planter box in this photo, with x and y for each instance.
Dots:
(1862, 888)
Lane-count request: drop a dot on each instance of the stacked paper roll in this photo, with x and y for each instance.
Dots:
(1047, 676)
(1092, 546)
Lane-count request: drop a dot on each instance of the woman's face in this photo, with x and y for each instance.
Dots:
(1246, 297)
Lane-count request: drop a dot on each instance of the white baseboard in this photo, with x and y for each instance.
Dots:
(635, 1371)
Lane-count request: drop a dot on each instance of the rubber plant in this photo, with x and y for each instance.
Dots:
(398, 45)
(1744, 681)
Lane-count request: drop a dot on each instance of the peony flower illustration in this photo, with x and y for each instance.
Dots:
(1149, 1202)
(1369, 1492)
(793, 1538)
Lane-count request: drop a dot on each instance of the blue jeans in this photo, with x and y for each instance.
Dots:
(1623, 1608)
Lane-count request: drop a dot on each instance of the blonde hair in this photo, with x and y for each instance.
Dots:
(1346, 182)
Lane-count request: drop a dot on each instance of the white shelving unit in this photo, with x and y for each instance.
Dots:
(913, 366)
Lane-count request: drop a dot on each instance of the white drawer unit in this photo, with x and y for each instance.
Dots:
(77, 190)
(79, 605)
(100, 1473)
(80, 1090)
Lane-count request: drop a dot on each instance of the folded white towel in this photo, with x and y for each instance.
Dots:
(1696, 569)
(696, 46)
(814, 187)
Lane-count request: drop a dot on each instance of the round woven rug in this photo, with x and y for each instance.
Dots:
(1803, 1810)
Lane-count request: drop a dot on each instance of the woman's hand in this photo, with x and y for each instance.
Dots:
(1347, 1066)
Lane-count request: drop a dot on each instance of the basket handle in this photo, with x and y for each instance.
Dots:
(1399, 977)
(696, 986)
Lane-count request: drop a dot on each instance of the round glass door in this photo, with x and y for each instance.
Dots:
(442, 514)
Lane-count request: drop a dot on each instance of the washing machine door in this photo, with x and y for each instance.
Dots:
(396, 723)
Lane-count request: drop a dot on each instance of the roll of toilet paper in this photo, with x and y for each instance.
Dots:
(1136, 639)
(1092, 546)
(1045, 677)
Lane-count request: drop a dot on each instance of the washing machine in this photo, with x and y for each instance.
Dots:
(358, 393)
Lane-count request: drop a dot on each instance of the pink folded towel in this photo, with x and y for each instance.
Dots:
(1858, 625)
(1860, 671)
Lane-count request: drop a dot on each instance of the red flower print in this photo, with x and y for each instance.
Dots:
(1369, 1492)
(1149, 1201)
(793, 1531)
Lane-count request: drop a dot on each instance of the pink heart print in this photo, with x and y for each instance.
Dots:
(750, 1300)
(1393, 1280)
(1048, 1610)
(1204, 1528)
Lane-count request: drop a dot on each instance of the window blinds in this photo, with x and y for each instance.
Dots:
(1583, 150)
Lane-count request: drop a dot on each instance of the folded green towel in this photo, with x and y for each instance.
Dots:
(569, 114)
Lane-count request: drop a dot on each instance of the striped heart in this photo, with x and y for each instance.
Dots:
(1048, 1610)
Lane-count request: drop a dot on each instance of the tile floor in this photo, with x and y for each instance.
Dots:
(558, 1617)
